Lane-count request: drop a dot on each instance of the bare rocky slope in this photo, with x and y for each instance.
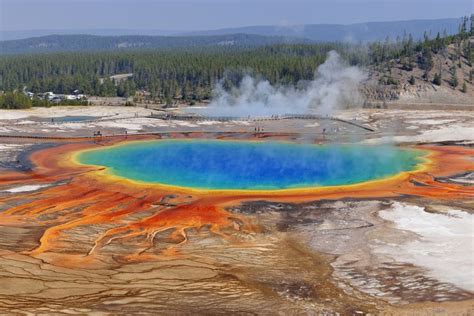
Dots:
(422, 90)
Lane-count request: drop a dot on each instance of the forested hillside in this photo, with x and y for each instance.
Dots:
(190, 75)
(165, 74)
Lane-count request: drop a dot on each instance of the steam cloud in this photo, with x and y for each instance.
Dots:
(335, 86)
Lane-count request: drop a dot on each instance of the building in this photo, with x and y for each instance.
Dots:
(117, 79)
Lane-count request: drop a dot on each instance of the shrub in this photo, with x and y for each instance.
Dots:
(14, 100)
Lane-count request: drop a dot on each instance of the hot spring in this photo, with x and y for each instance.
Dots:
(250, 165)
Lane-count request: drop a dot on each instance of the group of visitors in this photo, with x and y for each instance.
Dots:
(258, 130)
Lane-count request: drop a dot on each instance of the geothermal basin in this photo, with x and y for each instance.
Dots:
(274, 222)
(250, 165)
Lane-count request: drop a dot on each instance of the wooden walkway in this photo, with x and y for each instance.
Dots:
(257, 118)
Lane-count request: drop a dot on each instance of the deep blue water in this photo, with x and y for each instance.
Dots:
(214, 164)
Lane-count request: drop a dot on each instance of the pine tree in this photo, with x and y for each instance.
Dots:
(454, 79)
(437, 79)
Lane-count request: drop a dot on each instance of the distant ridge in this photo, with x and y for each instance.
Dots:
(81, 43)
(7, 35)
(251, 36)
(359, 32)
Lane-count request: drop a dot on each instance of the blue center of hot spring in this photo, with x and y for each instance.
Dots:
(244, 165)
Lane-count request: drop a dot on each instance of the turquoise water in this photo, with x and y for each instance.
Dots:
(214, 164)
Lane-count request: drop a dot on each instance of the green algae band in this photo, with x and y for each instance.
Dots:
(245, 165)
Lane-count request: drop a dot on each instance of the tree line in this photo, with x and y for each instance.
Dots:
(164, 74)
(18, 100)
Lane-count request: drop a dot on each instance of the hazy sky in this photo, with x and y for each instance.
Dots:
(209, 14)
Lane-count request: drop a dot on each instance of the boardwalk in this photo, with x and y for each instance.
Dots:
(194, 118)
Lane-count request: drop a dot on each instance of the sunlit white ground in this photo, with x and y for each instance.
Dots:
(26, 188)
(444, 246)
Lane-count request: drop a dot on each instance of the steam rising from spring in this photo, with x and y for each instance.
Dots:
(335, 85)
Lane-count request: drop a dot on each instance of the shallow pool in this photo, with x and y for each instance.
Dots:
(68, 119)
